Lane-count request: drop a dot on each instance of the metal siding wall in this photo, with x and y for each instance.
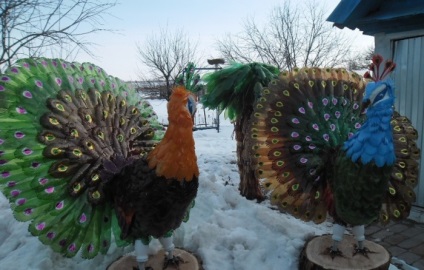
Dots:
(409, 80)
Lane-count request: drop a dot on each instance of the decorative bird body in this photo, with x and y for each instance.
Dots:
(86, 161)
(317, 152)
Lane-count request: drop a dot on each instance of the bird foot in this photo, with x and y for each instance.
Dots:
(175, 261)
(364, 251)
(333, 253)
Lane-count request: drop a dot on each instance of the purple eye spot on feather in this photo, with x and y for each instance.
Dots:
(15, 70)
(54, 63)
(308, 138)
(15, 193)
(28, 211)
(5, 174)
(59, 81)
(326, 116)
(40, 226)
(1, 141)
(51, 235)
(64, 65)
(294, 134)
(355, 106)
(35, 164)
(70, 79)
(358, 125)
(333, 127)
(102, 83)
(44, 63)
(312, 146)
(90, 248)
(337, 114)
(11, 183)
(90, 67)
(1, 88)
(295, 120)
(334, 100)
(21, 201)
(296, 147)
(326, 137)
(62, 242)
(59, 205)
(1, 153)
(315, 126)
(93, 81)
(21, 110)
(350, 135)
(325, 101)
(3, 161)
(39, 83)
(83, 218)
(302, 110)
(27, 94)
(80, 80)
(43, 181)
(27, 151)
(49, 190)
(310, 104)
(72, 247)
(113, 86)
(5, 79)
(25, 65)
(19, 135)
(303, 160)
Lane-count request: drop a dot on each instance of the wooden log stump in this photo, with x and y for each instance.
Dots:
(156, 261)
(315, 257)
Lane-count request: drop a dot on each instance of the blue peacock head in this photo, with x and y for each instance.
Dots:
(379, 94)
(374, 140)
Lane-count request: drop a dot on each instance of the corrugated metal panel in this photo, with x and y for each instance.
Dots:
(409, 80)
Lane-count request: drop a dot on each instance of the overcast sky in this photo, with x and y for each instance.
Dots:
(204, 21)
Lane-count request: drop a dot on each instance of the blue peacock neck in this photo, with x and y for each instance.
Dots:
(373, 143)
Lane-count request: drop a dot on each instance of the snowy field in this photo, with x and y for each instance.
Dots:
(227, 231)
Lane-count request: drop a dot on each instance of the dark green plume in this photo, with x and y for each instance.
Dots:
(190, 79)
(237, 86)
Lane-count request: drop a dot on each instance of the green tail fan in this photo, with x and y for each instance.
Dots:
(236, 86)
(59, 123)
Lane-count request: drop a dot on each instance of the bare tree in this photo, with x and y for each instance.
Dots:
(361, 60)
(294, 36)
(166, 54)
(33, 27)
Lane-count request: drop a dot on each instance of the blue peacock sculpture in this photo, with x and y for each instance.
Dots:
(325, 144)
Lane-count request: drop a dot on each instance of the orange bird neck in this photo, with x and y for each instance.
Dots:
(174, 157)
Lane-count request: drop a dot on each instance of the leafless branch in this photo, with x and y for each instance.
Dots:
(166, 54)
(32, 27)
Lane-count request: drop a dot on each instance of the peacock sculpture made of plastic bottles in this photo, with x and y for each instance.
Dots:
(77, 158)
(319, 150)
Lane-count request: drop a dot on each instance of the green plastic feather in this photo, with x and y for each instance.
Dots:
(237, 86)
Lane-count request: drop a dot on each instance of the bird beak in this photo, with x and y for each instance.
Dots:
(365, 105)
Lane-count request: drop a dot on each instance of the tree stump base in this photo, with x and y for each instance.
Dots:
(156, 261)
(314, 255)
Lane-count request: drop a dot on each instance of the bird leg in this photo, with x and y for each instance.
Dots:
(141, 253)
(168, 246)
(338, 231)
(359, 233)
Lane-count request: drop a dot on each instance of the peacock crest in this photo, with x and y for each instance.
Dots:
(66, 130)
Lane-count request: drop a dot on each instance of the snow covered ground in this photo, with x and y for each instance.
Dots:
(227, 231)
